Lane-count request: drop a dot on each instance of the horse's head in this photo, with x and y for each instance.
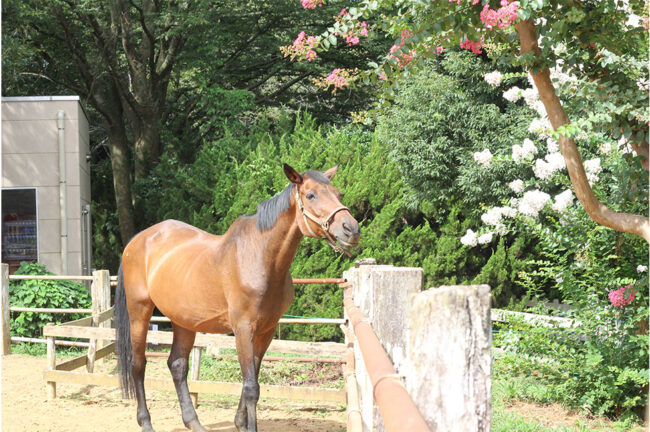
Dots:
(319, 212)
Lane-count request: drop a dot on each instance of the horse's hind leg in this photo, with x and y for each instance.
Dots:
(140, 314)
(178, 365)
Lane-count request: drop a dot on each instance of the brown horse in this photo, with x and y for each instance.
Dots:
(235, 283)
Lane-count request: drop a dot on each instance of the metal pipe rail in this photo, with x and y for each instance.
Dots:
(397, 409)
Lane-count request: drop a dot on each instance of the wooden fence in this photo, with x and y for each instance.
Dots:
(97, 329)
(425, 346)
(438, 342)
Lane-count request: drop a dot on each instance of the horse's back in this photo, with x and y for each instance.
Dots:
(173, 265)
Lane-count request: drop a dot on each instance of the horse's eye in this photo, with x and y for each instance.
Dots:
(310, 196)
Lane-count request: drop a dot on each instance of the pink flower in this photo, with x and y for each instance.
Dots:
(439, 49)
(352, 40)
(364, 29)
(303, 48)
(622, 296)
(503, 17)
(311, 4)
(475, 47)
(343, 12)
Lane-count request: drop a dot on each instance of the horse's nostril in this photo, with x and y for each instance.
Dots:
(346, 228)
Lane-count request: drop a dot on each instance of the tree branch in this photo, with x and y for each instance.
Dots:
(599, 212)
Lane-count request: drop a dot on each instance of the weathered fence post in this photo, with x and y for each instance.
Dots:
(438, 340)
(4, 307)
(100, 291)
(450, 362)
(196, 371)
(51, 365)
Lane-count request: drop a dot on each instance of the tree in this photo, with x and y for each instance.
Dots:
(603, 43)
(165, 75)
(118, 56)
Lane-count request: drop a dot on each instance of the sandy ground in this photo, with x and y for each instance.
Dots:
(81, 408)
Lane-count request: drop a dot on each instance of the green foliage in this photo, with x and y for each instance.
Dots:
(601, 363)
(43, 294)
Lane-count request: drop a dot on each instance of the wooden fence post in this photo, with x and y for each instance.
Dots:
(196, 372)
(100, 291)
(51, 365)
(4, 307)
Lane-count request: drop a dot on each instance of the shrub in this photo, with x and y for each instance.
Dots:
(43, 294)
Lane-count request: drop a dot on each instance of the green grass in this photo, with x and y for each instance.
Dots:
(507, 389)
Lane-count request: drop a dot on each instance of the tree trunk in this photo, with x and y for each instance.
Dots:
(596, 210)
(147, 146)
(122, 180)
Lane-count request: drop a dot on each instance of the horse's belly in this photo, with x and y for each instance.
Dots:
(193, 301)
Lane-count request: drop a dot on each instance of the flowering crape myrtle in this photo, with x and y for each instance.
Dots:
(597, 47)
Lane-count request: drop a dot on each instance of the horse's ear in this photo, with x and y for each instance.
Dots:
(292, 174)
(330, 172)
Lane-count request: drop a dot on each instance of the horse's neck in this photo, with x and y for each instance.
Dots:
(283, 241)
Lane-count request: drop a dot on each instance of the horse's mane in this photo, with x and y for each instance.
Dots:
(268, 211)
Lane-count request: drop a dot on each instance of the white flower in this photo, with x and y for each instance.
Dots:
(508, 212)
(559, 49)
(532, 202)
(559, 77)
(493, 78)
(605, 147)
(540, 126)
(563, 201)
(641, 269)
(530, 96)
(552, 145)
(469, 239)
(539, 107)
(483, 158)
(492, 216)
(522, 152)
(513, 94)
(556, 160)
(593, 168)
(485, 238)
(529, 148)
(517, 186)
(542, 169)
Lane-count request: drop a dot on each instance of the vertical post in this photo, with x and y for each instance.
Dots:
(100, 291)
(5, 332)
(449, 351)
(51, 365)
(196, 371)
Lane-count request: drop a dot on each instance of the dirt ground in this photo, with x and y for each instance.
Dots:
(80, 408)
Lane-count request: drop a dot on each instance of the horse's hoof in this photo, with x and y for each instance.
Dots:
(195, 426)
(147, 428)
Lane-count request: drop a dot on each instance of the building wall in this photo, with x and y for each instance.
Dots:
(30, 158)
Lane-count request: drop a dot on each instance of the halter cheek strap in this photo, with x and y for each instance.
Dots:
(323, 223)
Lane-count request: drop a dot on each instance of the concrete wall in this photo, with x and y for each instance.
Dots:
(30, 159)
(438, 340)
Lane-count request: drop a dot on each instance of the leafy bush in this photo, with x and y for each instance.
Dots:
(43, 294)
(601, 364)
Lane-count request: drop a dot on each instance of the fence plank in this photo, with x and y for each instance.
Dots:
(268, 391)
(202, 339)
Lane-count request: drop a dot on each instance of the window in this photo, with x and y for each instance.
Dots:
(19, 227)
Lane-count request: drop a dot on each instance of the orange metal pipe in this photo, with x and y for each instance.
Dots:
(320, 281)
(395, 404)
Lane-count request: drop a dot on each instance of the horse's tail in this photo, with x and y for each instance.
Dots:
(123, 338)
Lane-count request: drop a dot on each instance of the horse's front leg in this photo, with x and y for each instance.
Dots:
(250, 350)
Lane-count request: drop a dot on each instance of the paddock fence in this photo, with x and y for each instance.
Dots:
(412, 359)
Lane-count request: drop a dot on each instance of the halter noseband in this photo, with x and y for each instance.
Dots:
(324, 224)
